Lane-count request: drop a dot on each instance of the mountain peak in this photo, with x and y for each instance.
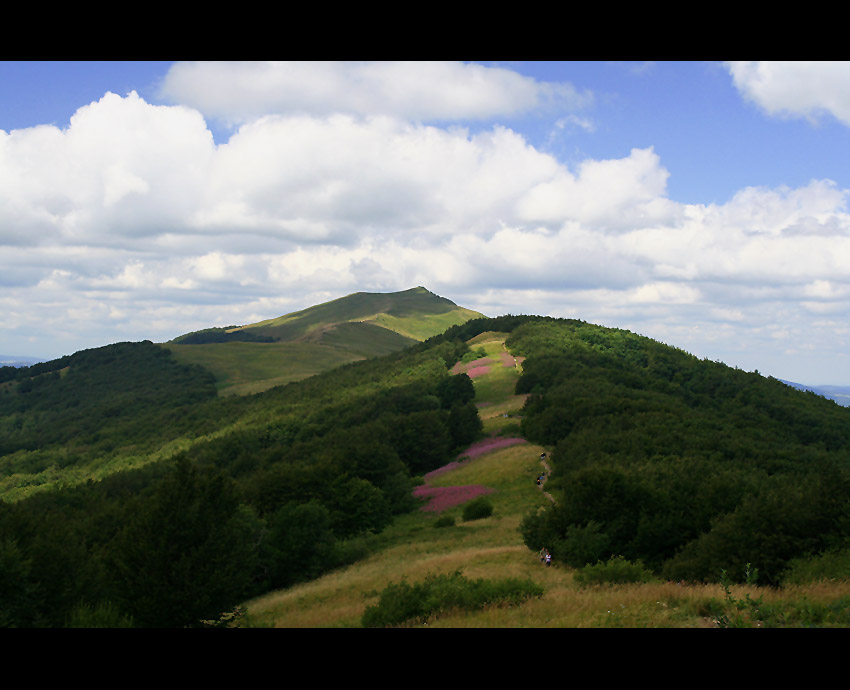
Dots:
(301, 343)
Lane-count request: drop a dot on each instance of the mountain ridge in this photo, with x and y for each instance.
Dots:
(115, 459)
(302, 343)
(839, 394)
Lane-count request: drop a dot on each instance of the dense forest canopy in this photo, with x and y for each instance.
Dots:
(688, 465)
(286, 488)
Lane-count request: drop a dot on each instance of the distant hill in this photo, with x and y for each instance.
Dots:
(253, 357)
(840, 394)
(16, 361)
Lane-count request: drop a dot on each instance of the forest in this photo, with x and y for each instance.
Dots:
(688, 466)
(300, 477)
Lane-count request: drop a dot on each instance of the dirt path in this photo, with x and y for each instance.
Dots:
(548, 471)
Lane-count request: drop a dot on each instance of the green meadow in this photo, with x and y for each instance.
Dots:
(242, 368)
(304, 343)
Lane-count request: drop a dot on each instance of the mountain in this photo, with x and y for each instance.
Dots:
(840, 394)
(254, 357)
(134, 494)
(16, 361)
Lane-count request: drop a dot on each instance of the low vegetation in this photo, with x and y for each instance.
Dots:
(402, 603)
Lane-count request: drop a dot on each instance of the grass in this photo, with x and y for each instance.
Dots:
(245, 368)
(323, 337)
(413, 548)
(423, 326)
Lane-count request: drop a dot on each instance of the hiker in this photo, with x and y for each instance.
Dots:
(543, 456)
(543, 554)
(538, 481)
(548, 559)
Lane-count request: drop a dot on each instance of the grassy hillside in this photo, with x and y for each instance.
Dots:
(242, 368)
(415, 548)
(255, 357)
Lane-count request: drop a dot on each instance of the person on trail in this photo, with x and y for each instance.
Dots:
(548, 558)
(538, 481)
(543, 554)
(543, 456)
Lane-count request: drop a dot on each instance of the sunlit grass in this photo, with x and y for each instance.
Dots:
(242, 368)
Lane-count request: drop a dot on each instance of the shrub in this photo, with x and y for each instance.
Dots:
(404, 603)
(444, 521)
(582, 545)
(831, 565)
(102, 615)
(477, 509)
(616, 570)
(472, 355)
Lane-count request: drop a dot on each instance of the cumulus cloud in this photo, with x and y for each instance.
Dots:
(330, 179)
(132, 218)
(122, 168)
(238, 92)
(805, 89)
(608, 194)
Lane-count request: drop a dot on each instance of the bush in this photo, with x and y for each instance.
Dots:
(404, 603)
(616, 570)
(831, 565)
(102, 615)
(444, 521)
(477, 509)
(582, 545)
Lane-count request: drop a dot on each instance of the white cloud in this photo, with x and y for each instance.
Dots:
(238, 92)
(616, 194)
(132, 216)
(122, 168)
(806, 89)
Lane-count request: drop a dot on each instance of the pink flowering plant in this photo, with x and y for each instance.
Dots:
(478, 371)
(442, 498)
(474, 451)
(462, 366)
(491, 443)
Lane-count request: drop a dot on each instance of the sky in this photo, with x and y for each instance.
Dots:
(702, 204)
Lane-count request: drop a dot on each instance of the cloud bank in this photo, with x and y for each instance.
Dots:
(133, 223)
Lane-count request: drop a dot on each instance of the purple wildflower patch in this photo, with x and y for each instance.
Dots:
(477, 371)
(488, 444)
(441, 498)
(445, 468)
(461, 367)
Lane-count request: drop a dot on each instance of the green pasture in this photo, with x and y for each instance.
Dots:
(244, 368)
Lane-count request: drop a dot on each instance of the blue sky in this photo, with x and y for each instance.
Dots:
(700, 203)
